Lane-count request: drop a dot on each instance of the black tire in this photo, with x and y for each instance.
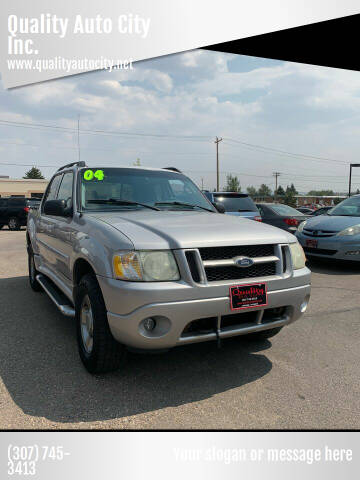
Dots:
(106, 354)
(14, 224)
(1, 226)
(34, 284)
(264, 334)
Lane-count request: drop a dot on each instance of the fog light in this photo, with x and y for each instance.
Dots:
(304, 305)
(149, 324)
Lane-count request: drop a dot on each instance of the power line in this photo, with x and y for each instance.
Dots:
(265, 149)
(262, 148)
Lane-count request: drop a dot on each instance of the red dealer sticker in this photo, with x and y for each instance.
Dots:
(248, 296)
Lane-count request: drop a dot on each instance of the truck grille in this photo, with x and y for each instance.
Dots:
(214, 264)
(235, 273)
(222, 253)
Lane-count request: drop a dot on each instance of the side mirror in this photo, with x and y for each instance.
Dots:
(219, 207)
(56, 208)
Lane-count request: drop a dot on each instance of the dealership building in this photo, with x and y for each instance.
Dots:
(29, 188)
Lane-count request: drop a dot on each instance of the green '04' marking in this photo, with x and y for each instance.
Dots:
(90, 175)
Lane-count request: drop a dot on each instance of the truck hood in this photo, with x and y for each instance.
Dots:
(331, 223)
(150, 230)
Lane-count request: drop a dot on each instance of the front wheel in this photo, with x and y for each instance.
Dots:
(98, 349)
(264, 334)
(14, 224)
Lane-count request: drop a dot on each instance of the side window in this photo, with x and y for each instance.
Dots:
(66, 189)
(50, 193)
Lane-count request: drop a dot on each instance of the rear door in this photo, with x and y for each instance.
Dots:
(3, 211)
(45, 228)
(64, 228)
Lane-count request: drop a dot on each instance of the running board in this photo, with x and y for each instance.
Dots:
(60, 300)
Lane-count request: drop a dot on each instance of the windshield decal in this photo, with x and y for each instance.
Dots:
(97, 175)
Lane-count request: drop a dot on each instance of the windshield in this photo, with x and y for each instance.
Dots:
(235, 203)
(286, 210)
(347, 208)
(130, 189)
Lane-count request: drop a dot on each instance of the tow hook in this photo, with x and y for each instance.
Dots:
(218, 339)
(217, 331)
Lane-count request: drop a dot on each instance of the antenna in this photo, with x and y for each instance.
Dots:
(78, 136)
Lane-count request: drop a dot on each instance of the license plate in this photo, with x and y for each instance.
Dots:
(311, 243)
(248, 296)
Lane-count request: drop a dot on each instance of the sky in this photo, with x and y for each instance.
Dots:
(168, 111)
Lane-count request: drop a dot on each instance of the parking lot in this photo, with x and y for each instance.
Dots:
(306, 377)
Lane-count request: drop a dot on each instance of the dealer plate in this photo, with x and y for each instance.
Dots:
(248, 296)
(310, 242)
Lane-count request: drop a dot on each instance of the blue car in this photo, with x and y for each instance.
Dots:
(238, 204)
(336, 234)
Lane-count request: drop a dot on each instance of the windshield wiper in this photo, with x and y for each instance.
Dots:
(114, 201)
(184, 205)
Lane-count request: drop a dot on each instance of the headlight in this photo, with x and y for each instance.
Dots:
(297, 256)
(301, 226)
(146, 266)
(354, 230)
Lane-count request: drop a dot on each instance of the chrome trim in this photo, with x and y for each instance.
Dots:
(230, 262)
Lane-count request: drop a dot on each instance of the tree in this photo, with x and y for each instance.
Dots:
(34, 173)
(251, 191)
(291, 189)
(137, 163)
(232, 184)
(289, 198)
(264, 191)
(321, 193)
(280, 191)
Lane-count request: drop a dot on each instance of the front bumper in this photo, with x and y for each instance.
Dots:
(337, 248)
(172, 317)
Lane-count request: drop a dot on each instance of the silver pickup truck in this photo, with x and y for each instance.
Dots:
(142, 259)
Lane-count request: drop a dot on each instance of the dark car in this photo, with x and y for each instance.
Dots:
(238, 204)
(305, 210)
(321, 211)
(282, 216)
(13, 211)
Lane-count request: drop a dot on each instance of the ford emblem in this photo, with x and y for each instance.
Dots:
(244, 262)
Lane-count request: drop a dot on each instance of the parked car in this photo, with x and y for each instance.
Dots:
(237, 204)
(305, 210)
(321, 211)
(281, 216)
(142, 259)
(14, 211)
(335, 235)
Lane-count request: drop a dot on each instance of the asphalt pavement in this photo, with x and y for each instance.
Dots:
(307, 377)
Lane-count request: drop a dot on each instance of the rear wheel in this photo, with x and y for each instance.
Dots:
(98, 349)
(264, 334)
(1, 226)
(34, 284)
(14, 224)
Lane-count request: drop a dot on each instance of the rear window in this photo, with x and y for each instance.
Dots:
(17, 202)
(286, 210)
(236, 203)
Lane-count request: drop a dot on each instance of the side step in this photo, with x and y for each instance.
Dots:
(60, 300)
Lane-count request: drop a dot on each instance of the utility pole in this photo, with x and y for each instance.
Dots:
(276, 175)
(202, 184)
(217, 141)
(352, 165)
(78, 136)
